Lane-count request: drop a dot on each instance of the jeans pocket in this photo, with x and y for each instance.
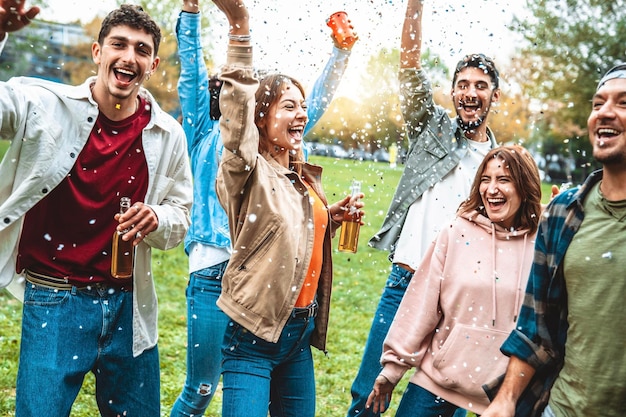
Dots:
(398, 278)
(235, 335)
(38, 295)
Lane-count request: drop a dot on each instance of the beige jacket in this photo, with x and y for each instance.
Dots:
(270, 218)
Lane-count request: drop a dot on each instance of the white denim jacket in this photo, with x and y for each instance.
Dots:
(48, 124)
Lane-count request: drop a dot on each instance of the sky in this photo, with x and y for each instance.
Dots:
(291, 35)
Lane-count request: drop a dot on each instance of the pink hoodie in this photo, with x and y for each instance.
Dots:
(462, 302)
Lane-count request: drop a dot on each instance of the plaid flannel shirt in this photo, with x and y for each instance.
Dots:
(541, 332)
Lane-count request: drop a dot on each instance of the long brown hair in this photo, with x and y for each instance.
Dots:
(271, 88)
(525, 177)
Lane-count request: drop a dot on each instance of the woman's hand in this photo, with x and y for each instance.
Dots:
(237, 15)
(338, 209)
(380, 397)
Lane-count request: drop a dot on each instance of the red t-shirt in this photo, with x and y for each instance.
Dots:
(69, 232)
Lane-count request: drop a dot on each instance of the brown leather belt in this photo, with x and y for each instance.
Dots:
(406, 267)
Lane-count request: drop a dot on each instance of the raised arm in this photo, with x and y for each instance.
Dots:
(13, 16)
(191, 6)
(238, 19)
(193, 83)
(326, 84)
(411, 40)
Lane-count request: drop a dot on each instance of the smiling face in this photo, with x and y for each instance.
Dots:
(285, 121)
(125, 58)
(607, 124)
(472, 95)
(498, 193)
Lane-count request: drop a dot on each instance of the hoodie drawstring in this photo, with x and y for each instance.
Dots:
(493, 281)
(519, 282)
(518, 289)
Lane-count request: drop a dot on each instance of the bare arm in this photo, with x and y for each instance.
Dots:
(238, 18)
(518, 375)
(411, 41)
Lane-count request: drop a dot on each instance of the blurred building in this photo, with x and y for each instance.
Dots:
(41, 50)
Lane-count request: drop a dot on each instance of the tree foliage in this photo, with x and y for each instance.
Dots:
(569, 45)
(373, 120)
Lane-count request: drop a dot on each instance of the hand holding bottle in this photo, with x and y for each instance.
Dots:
(139, 220)
(351, 220)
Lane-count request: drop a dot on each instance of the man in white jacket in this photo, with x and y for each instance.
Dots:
(75, 151)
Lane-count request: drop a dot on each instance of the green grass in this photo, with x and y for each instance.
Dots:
(358, 281)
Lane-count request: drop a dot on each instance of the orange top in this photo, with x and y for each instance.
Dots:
(320, 223)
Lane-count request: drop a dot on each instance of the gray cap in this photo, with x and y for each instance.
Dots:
(618, 71)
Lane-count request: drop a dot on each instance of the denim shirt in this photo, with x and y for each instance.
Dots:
(48, 125)
(436, 145)
(209, 223)
(541, 331)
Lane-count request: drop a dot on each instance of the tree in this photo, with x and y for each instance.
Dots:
(566, 53)
(374, 121)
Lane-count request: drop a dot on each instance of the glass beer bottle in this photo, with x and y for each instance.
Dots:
(123, 253)
(351, 224)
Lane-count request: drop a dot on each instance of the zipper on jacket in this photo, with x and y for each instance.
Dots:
(258, 247)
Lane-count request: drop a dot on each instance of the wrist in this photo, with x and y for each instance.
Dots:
(191, 6)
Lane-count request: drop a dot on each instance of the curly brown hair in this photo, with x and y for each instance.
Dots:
(525, 176)
(132, 16)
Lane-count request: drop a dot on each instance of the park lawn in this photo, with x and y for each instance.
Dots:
(358, 281)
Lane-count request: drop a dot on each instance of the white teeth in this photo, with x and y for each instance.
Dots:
(123, 71)
(606, 131)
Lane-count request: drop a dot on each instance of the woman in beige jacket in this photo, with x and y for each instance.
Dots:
(276, 288)
(464, 299)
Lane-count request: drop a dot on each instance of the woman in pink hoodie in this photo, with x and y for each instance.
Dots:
(464, 299)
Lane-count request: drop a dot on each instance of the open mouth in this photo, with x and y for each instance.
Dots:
(296, 133)
(496, 202)
(470, 109)
(124, 75)
(607, 133)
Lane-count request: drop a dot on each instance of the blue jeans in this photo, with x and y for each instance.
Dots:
(206, 324)
(369, 369)
(418, 402)
(394, 290)
(67, 333)
(259, 375)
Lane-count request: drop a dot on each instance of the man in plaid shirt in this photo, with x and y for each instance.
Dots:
(567, 352)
